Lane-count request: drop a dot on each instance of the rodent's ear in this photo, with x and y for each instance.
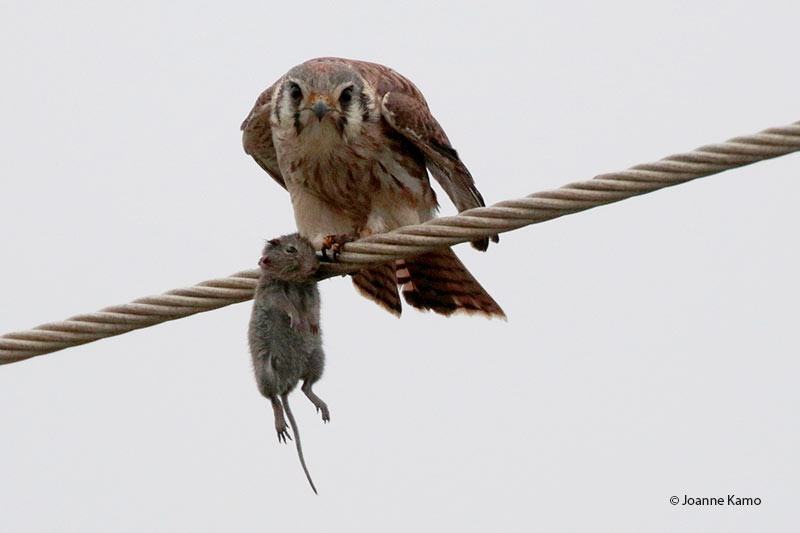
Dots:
(274, 242)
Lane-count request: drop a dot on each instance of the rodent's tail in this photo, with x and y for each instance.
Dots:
(297, 440)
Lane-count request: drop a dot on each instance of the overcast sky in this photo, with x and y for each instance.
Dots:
(651, 348)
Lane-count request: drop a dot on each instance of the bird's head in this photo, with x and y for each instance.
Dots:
(324, 99)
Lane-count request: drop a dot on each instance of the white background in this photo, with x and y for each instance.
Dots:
(651, 348)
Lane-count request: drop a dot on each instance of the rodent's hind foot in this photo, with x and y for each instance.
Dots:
(326, 414)
(317, 401)
(283, 434)
(280, 421)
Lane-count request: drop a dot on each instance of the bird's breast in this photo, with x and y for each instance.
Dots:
(353, 174)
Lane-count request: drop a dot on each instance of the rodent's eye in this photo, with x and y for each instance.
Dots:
(291, 249)
(346, 96)
(296, 93)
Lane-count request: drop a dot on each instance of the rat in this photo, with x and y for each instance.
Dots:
(284, 334)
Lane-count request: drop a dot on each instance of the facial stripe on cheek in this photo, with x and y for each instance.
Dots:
(277, 98)
(364, 102)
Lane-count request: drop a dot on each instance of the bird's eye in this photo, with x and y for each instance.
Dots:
(296, 93)
(291, 250)
(346, 96)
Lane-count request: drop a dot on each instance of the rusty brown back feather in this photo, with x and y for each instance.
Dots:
(405, 110)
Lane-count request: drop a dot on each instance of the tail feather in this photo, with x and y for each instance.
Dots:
(439, 281)
(380, 285)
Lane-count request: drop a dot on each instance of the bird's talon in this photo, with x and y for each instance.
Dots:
(334, 244)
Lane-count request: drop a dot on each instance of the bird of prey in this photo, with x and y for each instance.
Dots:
(353, 142)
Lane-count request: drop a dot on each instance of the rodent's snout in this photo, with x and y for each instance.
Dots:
(263, 261)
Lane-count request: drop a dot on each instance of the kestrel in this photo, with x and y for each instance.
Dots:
(353, 143)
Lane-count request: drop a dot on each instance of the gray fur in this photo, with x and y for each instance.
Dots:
(284, 335)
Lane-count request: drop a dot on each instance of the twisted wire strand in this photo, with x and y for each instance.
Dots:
(407, 241)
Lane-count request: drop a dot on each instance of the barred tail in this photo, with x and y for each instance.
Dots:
(439, 281)
(380, 285)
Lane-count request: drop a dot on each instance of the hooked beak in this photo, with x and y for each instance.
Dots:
(320, 108)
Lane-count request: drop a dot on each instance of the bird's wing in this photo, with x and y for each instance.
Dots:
(405, 110)
(257, 135)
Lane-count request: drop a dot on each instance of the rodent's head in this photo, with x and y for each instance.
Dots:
(290, 257)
